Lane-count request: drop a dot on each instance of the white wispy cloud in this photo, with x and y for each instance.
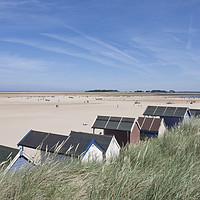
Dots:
(126, 59)
(97, 47)
(171, 53)
(111, 47)
(8, 61)
(93, 56)
(23, 16)
(8, 4)
(190, 31)
(98, 43)
(86, 47)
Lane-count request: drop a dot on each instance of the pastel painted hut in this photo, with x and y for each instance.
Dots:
(20, 162)
(125, 130)
(195, 112)
(151, 127)
(85, 146)
(171, 115)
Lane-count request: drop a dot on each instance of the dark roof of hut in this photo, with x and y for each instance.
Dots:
(42, 140)
(114, 123)
(149, 124)
(165, 111)
(195, 112)
(102, 140)
(78, 142)
(7, 153)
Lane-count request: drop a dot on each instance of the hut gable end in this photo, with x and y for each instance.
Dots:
(151, 127)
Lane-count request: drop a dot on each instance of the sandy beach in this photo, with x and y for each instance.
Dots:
(62, 112)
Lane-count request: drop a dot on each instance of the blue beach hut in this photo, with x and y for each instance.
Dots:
(171, 115)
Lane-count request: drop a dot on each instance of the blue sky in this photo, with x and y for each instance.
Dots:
(76, 45)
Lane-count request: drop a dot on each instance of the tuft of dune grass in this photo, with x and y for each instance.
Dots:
(162, 168)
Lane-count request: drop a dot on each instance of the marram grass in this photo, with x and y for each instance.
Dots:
(163, 168)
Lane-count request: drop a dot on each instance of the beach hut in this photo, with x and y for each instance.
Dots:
(151, 127)
(7, 154)
(108, 143)
(86, 146)
(195, 112)
(171, 115)
(125, 130)
(20, 162)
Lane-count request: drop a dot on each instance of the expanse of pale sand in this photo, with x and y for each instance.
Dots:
(21, 112)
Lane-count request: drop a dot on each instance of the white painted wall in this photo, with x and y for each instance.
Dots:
(186, 118)
(161, 129)
(113, 148)
(33, 153)
(93, 153)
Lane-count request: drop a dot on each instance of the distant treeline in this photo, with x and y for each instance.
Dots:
(157, 91)
(150, 91)
(102, 91)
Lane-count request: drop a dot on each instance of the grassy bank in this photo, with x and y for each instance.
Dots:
(165, 168)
